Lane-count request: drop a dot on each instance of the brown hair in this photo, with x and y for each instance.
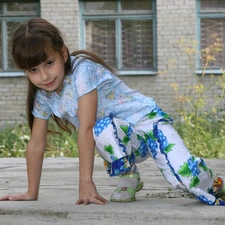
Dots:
(31, 43)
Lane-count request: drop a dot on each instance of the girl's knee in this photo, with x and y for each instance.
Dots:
(112, 137)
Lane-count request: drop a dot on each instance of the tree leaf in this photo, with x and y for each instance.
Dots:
(168, 148)
(184, 170)
(124, 128)
(194, 182)
(109, 149)
(151, 115)
(125, 140)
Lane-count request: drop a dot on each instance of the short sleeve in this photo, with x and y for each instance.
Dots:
(41, 108)
(89, 76)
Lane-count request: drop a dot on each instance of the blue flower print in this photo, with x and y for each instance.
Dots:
(153, 146)
(142, 150)
(129, 132)
(193, 166)
(164, 146)
(122, 165)
(202, 198)
(157, 112)
(161, 138)
(101, 124)
(189, 168)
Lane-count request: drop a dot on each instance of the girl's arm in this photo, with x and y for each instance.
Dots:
(87, 109)
(34, 156)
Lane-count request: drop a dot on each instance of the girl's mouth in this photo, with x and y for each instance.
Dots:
(49, 84)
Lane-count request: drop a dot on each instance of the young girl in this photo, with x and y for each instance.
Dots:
(80, 90)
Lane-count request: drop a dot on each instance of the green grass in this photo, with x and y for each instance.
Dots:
(13, 142)
(204, 138)
(208, 142)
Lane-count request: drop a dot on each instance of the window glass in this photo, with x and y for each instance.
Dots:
(212, 21)
(215, 5)
(21, 8)
(136, 6)
(125, 37)
(99, 7)
(100, 38)
(12, 14)
(209, 27)
(137, 49)
(11, 27)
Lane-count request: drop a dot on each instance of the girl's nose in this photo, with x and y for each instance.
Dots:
(44, 75)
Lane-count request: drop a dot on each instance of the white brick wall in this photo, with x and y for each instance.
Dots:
(175, 20)
(65, 15)
(12, 98)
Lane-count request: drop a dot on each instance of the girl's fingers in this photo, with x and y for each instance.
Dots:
(78, 202)
(17, 197)
(8, 198)
(83, 201)
(103, 200)
(5, 198)
(99, 201)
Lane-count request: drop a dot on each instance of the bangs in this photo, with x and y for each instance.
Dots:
(33, 51)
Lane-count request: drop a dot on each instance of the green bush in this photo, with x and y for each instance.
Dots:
(202, 127)
(207, 140)
(13, 142)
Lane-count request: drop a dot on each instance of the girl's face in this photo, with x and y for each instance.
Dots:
(49, 75)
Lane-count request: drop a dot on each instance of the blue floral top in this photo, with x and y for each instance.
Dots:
(113, 96)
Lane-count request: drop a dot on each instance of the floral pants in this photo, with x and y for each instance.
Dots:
(122, 145)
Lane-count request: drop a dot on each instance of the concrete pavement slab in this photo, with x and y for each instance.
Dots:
(155, 204)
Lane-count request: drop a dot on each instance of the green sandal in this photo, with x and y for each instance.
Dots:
(129, 190)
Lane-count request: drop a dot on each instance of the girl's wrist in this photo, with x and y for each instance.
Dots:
(86, 180)
(33, 194)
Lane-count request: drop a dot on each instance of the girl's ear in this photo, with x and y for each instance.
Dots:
(64, 53)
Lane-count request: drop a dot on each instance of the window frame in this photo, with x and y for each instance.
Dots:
(12, 18)
(200, 16)
(118, 18)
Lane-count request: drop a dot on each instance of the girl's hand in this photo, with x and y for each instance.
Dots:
(88, 194)
(87, 113)
(19, 197)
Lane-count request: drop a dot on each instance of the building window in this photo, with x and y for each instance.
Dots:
(12, 14)
(211, 20)
(122, 32)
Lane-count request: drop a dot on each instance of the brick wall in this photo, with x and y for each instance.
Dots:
(175, 20)
(12, 99)
(65, 15)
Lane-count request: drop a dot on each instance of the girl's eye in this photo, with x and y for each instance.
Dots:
(49, 63)
(32, 70)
